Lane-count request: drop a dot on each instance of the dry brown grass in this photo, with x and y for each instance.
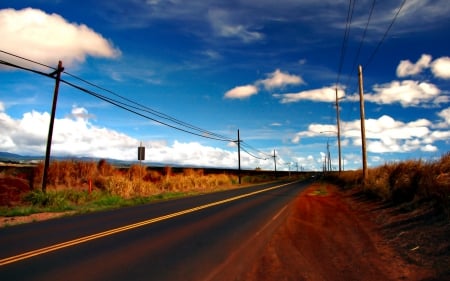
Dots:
(406, 181)
(135, 181)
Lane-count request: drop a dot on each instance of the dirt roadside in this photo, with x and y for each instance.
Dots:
(335, 235)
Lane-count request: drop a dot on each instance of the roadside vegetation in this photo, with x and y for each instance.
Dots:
(408, 183)
(410, 203)
(83, 186)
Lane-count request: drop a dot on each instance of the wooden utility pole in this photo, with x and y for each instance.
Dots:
(52, 120)
(239, 157)
(363, 127)
(328, 157)
(338, 129)
(275, 163)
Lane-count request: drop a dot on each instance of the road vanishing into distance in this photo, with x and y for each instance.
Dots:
(205, 237)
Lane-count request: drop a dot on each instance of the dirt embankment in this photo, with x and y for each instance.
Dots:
(331, 235)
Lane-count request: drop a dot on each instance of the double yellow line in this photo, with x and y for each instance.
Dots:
(84, 239)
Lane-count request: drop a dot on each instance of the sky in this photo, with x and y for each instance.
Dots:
(190, 74)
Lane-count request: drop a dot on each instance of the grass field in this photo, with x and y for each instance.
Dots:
(84, 186)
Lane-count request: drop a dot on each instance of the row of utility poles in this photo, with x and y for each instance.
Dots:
(60, 69)
(363, 127)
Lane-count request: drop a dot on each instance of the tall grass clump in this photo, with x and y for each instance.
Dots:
(404, 182)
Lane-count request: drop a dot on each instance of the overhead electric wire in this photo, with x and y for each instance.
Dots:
(32, 61)
(142, 107)
(152, 111)
(358, 52)
(128, 108)
(254, 156)
(384, 35)
(25, 68)
(119, 104)
(257, 150)
(131, 106)
(351, 6)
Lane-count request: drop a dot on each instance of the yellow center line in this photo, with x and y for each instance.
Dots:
(84, 239)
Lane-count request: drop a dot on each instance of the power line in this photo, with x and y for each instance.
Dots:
(25, 68)
(358, 52)
(152, 111)
(127, 107)
(131, 106)
(384, 35)
(29, 60)
(130, 109)
(252, 155)
(139, 106)
(257, 150)
(351, 6)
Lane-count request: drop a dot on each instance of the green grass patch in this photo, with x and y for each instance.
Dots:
(321, 190)
(82, 202)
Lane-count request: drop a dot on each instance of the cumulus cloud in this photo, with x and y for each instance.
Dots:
(445, 118)
(325, 94)
(445, 114)
(407, 93)
(407, 68)
(278, 79)
(49, 38)
(315, 130)
(75, 136)
(241, 92)
(385, 134)
(441, 67)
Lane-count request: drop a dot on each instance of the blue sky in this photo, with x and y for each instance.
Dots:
(267, 68)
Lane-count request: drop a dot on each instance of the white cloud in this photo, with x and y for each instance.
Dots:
(441, 67)
(326, 94)
(71, 136)
(316, 130)
(275, 79)
(223, 27)
(407, 93)
(241, 92)
(76, 136)
(407, 68)
(385, 134)
(279, 79)
(49, 38)
(445, 115)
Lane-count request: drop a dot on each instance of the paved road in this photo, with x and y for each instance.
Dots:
(205, 237)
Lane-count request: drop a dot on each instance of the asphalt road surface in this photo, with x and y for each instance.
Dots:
(207, 237)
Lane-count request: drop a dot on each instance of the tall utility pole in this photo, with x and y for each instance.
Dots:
(239, 157)
(363, 127)
(275, 163)
(338, 129)
(328, 162)
(52, 120)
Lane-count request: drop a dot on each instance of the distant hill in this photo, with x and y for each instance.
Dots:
(11, 157)
(7, 157)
